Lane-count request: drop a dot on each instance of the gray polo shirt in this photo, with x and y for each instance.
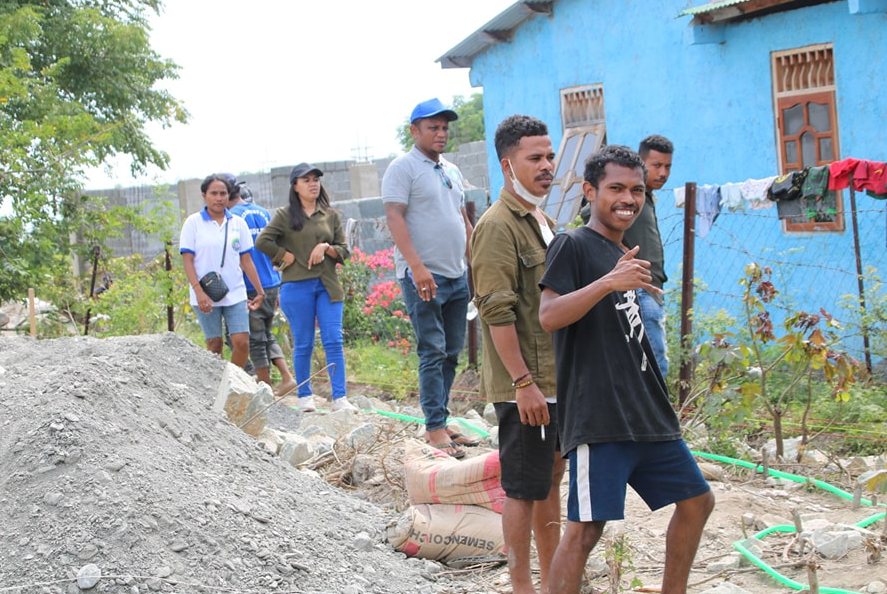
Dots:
(434, 211)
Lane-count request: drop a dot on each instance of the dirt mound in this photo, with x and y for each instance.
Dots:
(110, 455)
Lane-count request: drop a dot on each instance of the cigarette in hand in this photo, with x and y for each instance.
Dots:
(542, 431)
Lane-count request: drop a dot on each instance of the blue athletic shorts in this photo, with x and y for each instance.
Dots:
(661, 472)
(236, 317)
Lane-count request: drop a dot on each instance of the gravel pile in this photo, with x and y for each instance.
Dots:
(113, 465)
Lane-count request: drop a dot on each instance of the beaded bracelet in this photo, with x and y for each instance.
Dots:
(522, 381)
(523, 384)
(515, 381)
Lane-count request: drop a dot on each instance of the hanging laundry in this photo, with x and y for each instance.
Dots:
(816, 183)
(754, 191)
(679, 197)
(820, 210)
(787, 187)
(870, 176)
(792, 211)
(708, 207)
(786, 191)
(731, 196)
(840, 172)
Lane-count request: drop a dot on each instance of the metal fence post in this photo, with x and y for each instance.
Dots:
(859, 282)
(170, 319)
(96, 250)
(686, 373)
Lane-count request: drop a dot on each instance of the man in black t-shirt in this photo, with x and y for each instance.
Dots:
(614, 416)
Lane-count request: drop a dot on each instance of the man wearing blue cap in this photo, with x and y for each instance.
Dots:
(424, 202)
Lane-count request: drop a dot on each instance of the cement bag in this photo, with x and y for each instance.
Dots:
(434, 477)
(447, 532)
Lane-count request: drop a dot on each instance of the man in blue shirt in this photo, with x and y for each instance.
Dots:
(263, 347)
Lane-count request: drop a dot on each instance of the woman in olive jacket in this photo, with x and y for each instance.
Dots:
(306, 240)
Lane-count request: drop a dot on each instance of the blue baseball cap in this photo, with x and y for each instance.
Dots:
(431, 108)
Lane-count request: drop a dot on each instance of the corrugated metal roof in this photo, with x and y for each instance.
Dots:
(725, 10)
(499, 30)
(709, 7)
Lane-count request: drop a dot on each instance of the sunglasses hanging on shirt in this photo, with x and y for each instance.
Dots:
(444, 178)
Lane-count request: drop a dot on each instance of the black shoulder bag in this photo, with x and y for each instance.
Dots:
(212, 283)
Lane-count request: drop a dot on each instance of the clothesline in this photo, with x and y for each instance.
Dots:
(808, 193)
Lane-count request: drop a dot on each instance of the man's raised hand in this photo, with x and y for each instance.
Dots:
(632, 273)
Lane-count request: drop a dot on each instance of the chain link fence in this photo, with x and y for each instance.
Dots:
(811, 270)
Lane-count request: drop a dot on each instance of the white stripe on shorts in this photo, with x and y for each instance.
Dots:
(583, 490)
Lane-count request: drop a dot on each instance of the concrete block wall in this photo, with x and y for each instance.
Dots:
(271, 190)
(144, 199)
(471, 159)
(336, 179)
(365, 180)
(190, 199)
(369, 232)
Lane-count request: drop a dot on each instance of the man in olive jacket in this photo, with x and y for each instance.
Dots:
(507, 262)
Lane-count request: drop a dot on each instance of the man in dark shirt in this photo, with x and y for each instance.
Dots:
(656, 152)
(614, 415)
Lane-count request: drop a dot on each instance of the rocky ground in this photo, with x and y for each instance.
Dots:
(111, 457)
(112, 463)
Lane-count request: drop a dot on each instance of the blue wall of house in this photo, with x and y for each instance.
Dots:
(715, 102)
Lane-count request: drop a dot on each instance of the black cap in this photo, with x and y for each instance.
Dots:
(303, 169)
(229, 178)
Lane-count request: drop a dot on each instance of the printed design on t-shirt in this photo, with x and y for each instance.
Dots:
(235, 244)
(632, 311)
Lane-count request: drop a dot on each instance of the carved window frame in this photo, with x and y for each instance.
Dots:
(801, 77)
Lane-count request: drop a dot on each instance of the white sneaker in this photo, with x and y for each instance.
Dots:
(343, 404)
(306, 404)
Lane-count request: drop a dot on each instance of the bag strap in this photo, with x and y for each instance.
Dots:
(224, 245)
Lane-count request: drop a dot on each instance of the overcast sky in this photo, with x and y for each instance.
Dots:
(276, 82)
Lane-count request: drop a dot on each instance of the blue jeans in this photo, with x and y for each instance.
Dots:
(302, 303)
(653, 316)
(440, 327)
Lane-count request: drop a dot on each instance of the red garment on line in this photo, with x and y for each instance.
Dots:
(840, 172)
(870, 175)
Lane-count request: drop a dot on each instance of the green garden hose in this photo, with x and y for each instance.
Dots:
(420, 421)
(783, 475)
(739, 545)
